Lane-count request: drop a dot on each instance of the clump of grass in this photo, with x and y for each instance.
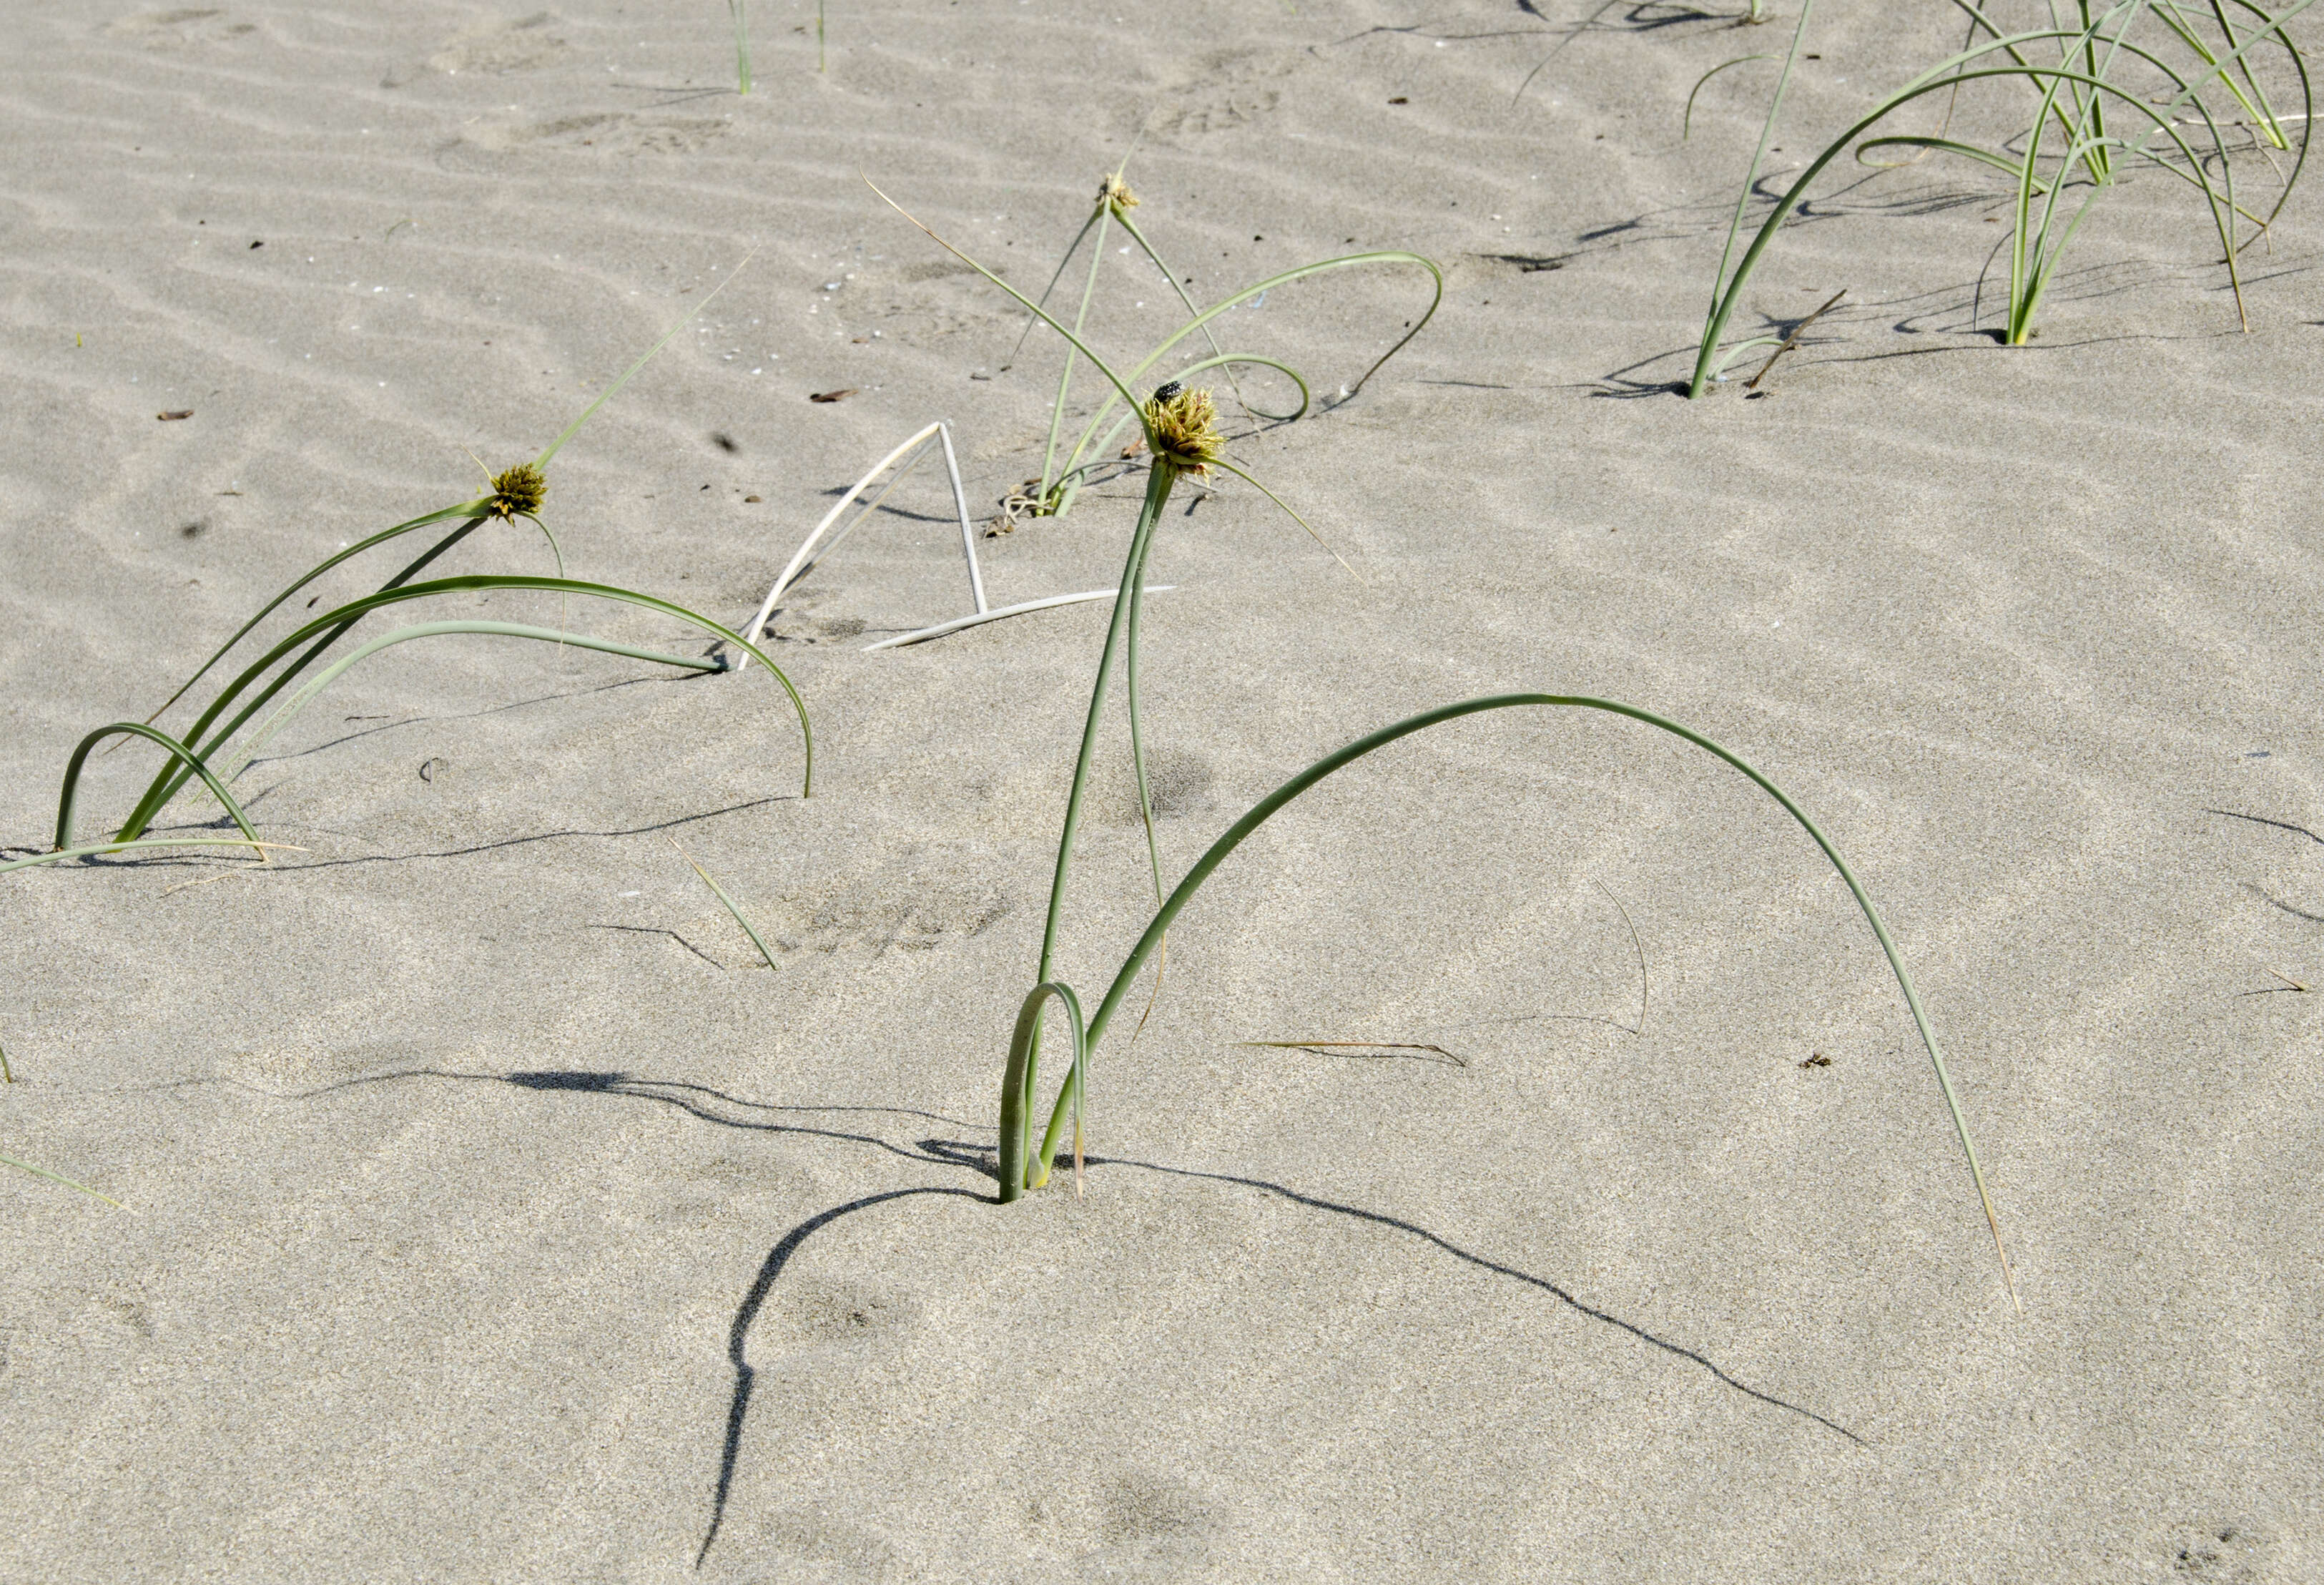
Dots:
(209, 750)
(2140, 61)
(1062, 478)
(1180, 436)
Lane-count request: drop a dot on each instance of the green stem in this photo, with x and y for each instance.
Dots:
(344, 616)
(1125, 605)
(1157, 492)
(1766, 135)
(472, 509)
(180, 753)
(1708, 362)
(1066, 377)
(1260, 813)
(167, 784)
(1016, 1083)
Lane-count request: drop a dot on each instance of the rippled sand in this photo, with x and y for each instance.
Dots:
(498, 1217)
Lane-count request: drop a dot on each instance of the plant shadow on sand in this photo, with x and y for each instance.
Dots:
(977, 1159)
(1954, 312)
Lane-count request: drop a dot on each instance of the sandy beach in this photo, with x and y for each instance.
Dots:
(495, 1213)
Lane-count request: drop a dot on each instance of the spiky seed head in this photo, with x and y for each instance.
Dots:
(1114, 193)
(518, 492)
(1185, 429)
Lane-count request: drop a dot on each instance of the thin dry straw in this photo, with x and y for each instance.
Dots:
(903, 459)
(63, 854)
(7, 1077)
(1358, 1045)
(60, 1178)
(1792, 339)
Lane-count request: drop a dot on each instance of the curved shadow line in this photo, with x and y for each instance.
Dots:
(2261, 820)
(1495, 1266)
(516, 704)
(2296, 912)
(745, 1377)
(622, 1084)
(591, 1083)
(969, 1154)
(654, 929)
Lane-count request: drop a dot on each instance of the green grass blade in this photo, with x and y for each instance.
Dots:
(60, 855)
(719, 892)
(473, 510)
(1158, 494)
(1766, 135)
(192, 762)
(1389, 256)
(1686, 121)
(1267, 807)
(299, 700)
(60, 1178)
(1076, 473)
(1016, 1080)
(1066, 375)
(337, 620)
(1178, 288)
(1071, 248)
(1039, 312)
(1294, 517)
(1121, 387)
(741, 47)
(631, 373)
(1950, 74)
(2014, 169)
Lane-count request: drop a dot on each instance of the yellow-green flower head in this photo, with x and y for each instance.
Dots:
(518, 492)
(1185, 429)
(1114, 192)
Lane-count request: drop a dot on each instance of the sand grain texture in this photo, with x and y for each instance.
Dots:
(473, 1151)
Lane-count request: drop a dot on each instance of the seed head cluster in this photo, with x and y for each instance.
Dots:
(1185, 429)
(1115, 194)
(518, 492)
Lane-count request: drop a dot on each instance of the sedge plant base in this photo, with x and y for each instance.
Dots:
(2142, 84)
(1181, 437)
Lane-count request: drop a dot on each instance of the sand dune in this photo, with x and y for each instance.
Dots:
(498, 1216)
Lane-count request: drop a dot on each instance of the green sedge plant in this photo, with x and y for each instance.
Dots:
(1062, 478)
(208, 749)
(2090, 74)
(210, 743)
(1182, 439)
